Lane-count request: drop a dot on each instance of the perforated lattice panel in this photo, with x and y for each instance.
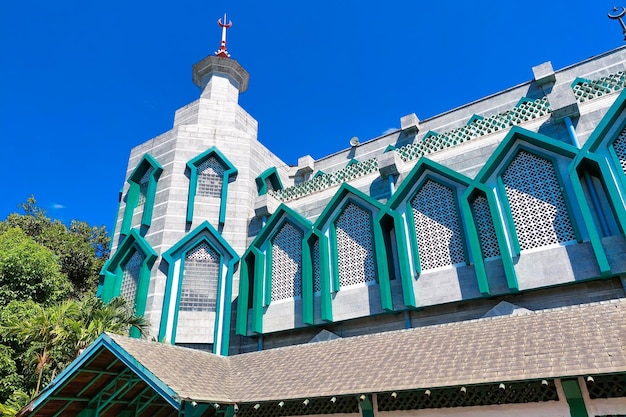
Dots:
(620, 148)
(437, 227)
(588, 90)
(521, 392)
(130, 278)
(143, 187)
(287, 263)
(485, 227)
(607, 386)
(537, 204)
(200, 277)
(341, 405)
(317, 286)
(355, 247)
(210, 178)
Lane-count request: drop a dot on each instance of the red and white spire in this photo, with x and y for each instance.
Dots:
(222, 52)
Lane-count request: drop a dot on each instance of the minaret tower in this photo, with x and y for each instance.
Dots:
(187, 211)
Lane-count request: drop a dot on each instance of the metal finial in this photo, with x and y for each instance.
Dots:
(618, 15)
(222, 52)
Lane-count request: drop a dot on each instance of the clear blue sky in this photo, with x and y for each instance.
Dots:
(81, 82)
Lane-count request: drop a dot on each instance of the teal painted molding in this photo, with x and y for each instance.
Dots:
(270, 174)
(241, 322)
(508, 216)
(89, 354)
(473, 119)
(132, 197)
(351, 162)
(208, 234)
(229, 172)
(415, 253)
(257, 296)
(608, 122)
(367, 409)
(505, 253)
(318, 173)
(382, 266)
(620, 176)
(406, 275)
(574, 398)
(430, 134)
(476, 252)
(389, 148)
(579, 80)
(326, 296)
(544, 142)
(592, 230)
(615, 192)
(337, 199)
(113, 272)
(523, 100)
(307, 281)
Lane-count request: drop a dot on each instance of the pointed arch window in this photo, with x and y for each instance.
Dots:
(437, 226)
(130, 277)
(201, 273)
(286, 264)
(141, 192)
(485, 227)
(536, 201)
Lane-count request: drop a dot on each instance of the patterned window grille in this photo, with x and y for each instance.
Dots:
(143, 187)
(477, 395)
(437, 226)
(484, 225)
(317, 285)
(287, 263)
(607, 386)
(130, 278)
(537, 204)
(316, 406)
(620, 148)
(355, 246)
(210, 178)
(199, 287)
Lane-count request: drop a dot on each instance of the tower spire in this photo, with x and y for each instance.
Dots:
(222, 52)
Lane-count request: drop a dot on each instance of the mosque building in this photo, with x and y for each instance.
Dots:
(469, 264)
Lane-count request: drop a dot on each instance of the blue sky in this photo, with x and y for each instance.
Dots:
(81, 82)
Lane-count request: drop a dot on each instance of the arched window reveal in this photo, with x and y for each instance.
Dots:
(199, 286)
(537, 204)
(287, 263)
(437, 226)
(484, 225)
(143, 187)
(355, 248)
(130, 277)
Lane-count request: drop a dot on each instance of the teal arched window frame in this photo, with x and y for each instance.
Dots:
(270, 174)
(259, 255)
(229, 172)
(228, 261)
(134, 190)
(113, 272)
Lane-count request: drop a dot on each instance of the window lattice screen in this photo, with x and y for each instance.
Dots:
(287, 263)
(437, 226)
(484, 225)
(199, 287)
(537, 204)
(143, 187)
(607, 386)
(620, 148)
(130, 279)
(210, 178)
(317, 286)
(355, 246)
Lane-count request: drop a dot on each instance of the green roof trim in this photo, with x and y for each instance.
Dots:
(228, 257)
(132, 196)
(229, 172)
(270, 174)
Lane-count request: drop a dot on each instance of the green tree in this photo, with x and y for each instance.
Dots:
(29, 271)
(10, 380)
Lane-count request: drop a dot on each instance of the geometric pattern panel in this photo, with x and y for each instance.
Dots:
(607, 386)
(536, 201)
(484, 225)
(317, 286)
(200, 276)
(437, 226)
(588, 90)
(287, 263)
(210, 177)
(620, 149)
(355, 247)
(470, 396)
(130, 278)
(313, 406)
(143, 187)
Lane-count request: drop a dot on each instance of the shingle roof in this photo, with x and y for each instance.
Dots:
(570, 341)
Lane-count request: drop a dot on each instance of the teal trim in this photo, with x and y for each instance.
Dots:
(615, 195)
(415, 253)
(382, 265)
(132, 196)
(608, 122)
(574, 398)
(229, 172)
(257, 296)
(508, 216)
(334, 258)
(389, 148)
(270, 174)
(307, 281)
(113, 272)
(524, 100)
(537, 139)
(325, 287)
(208, 234)
(102, 343)
(406, 276)
(337, 199)
(430, 134)
(351, 162)
(505, 254)
(318, 174)
(474, 243)
(620, 176)
(579, 80)
(592, 230)
(474, 118)
(367, 409)
(241, 326)
(267, 286)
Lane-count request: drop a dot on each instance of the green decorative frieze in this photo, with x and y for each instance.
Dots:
(587, 90)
